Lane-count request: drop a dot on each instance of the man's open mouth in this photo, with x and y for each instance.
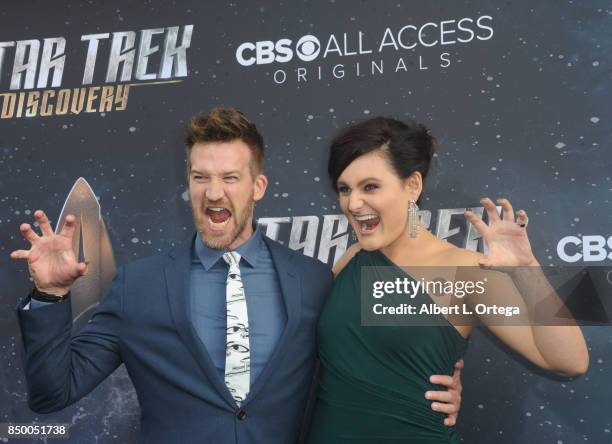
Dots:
(218, 217)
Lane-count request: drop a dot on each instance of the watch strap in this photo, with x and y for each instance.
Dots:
(41, 296)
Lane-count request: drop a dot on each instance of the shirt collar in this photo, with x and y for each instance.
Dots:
(249, 251)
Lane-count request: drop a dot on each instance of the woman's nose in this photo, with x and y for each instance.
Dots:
(354, 202)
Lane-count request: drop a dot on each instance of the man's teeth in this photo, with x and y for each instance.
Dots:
(218, 224)
(218, 210)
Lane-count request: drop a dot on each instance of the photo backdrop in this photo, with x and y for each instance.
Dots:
(517, 94)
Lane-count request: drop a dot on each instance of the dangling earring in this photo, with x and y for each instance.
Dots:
(353, 235)
(413, 218)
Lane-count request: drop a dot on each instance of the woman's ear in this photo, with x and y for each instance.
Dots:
(414, 185)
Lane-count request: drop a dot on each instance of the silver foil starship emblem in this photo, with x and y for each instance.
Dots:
(91, 244)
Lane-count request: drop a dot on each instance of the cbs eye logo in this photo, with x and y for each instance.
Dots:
(308, 48)
(264, 52)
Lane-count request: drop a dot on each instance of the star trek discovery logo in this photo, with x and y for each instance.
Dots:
(111, 65)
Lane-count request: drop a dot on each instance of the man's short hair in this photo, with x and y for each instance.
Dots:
(226, 125)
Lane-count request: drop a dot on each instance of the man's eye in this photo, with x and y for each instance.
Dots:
(370, 187)
(231, 178)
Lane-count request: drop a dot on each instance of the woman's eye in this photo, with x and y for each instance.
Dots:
(370, 187)
(343, 189)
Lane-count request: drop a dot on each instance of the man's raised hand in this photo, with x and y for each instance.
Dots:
(51, 259)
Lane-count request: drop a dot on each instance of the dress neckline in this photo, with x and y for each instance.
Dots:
(386, 259)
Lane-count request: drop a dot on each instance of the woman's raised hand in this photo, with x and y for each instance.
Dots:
(505, 236)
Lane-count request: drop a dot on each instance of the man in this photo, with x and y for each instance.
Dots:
(217, 335)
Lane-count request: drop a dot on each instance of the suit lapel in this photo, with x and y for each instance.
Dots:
(177, 272)
(290, 285)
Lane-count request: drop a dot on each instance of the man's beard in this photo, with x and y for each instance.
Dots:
(240, 225)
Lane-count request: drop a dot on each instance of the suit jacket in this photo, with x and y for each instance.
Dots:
(144, 321)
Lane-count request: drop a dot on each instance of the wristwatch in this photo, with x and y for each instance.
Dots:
(41, 296)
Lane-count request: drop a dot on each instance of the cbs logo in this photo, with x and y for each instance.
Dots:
(307, 49)
(593, 248)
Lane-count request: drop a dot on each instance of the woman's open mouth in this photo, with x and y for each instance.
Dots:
(367, 223)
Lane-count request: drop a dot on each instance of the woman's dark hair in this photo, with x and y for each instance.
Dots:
(408, 146)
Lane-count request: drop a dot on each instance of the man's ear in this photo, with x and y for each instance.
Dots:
(261, 184)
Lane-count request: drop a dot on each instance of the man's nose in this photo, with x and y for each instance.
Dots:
(214, 190)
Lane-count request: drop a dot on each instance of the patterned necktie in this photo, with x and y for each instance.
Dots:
(237, 348)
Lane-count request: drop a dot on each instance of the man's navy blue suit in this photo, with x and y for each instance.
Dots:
(144, 321)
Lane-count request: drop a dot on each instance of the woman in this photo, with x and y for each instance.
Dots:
(372, 378)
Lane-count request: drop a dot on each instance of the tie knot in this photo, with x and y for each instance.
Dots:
(232, 258)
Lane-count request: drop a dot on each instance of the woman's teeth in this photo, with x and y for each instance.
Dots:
(367, 222)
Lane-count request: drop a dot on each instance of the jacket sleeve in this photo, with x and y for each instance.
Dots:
(60, 368)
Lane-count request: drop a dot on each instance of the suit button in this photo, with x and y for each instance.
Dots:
(241, 414)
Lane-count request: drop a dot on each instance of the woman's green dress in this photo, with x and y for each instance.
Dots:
(374, 379)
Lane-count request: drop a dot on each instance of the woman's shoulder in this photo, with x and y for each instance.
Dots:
(451, 255)
(448, 255)
(346, 258)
